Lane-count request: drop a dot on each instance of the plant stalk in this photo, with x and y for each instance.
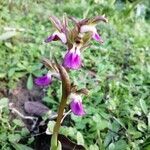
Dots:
(65, 93)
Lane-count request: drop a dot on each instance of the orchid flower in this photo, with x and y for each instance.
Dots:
(72, 59)
(91, 28)
(89, 25)
(44, 80)
(59, 34)
(76, 105)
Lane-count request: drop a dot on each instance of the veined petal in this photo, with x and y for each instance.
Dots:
(44, 80)
(97, 37)
(76, 105)
(72, 59)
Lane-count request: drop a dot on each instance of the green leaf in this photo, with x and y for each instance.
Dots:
(24, 132)
(3, 137)
(30, 82)
(7, 35)
(121, 145)
(50, 127)
(109, 137)
(18, 146)
(14, 137)
(2, 75)
(93, 147)
(18, 122)
(101, 124)
(11, 72)
(49, 100)
(143, 106)
(59, 146)
(148, 118)
(80, 139)
(147, 147)
(135, 134)
(141, 126)
(111, 146)
(4, 102)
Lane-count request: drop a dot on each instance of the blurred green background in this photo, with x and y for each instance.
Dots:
(117, 73)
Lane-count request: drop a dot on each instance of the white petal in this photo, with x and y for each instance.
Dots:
(75, 97)
(62, 36)
(88, 28)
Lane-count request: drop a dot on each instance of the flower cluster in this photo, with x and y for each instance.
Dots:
(75, 39)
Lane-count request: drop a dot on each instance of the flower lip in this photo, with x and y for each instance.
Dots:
(72, 59)
(44, 80)
(57, 36)
(76, 105)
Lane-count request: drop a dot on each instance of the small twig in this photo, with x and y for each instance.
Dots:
(14, 110)
(65, 115)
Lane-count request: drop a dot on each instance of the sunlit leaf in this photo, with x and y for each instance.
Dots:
(30, 82)
(80, 139)
(143, 106)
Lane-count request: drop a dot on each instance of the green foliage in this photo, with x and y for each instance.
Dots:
(11, 133)
(117, 73)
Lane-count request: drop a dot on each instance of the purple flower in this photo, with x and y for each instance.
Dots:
(76, 105)
(91, 28)
(57, 36)
(44, 80)
(72, 59)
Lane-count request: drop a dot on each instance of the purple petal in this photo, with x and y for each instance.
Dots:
(77, 108)
(97, 37)
(72, 59)
(91, 28)
(61, 36)
(50, 38)
(44, 80)
(56, 36)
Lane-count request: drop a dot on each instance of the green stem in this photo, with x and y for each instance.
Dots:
(55, 144)
(60, 115)
(58, 122)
